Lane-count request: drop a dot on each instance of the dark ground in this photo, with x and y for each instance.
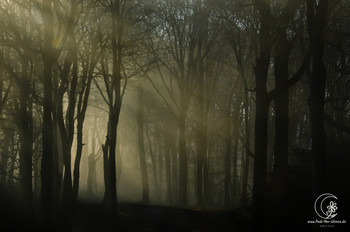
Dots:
(89, 217)
(132, 217)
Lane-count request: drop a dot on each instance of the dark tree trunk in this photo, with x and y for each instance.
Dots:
(110, 197)
(316, 22)
(261, 114)
(5, 155)
(115, 101)
(259, 190)
(280, 176)
(113, 173)
(81, 108)
(76, 171)
(49, 57)
(66, 127)
(105, 150)
(47, 161)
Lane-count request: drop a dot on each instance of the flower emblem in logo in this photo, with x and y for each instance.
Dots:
(332, 207)
(323, 211)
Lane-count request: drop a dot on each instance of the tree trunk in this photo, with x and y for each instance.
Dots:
(247, 140)
(259, 190)
(175, 172)
(82, 107)
(158, 148)
(316, 23)
(47, 161)
(92, 159)
(183, 171)
(91, 173)
(57, 163)
(235, 170)
(115, 101)
(105, 150)
(26, 149)
(154, 164)
(206, 181)
(280, 176)
(168, 174)
(261, 114)
(47, 135)
(227, 156)
(145, 188)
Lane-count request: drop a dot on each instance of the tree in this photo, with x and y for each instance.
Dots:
(89, 61)
(317, 13)
(262, 105)
(140, 122)
(121, 13)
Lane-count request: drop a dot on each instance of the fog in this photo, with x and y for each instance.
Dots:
(174, 115)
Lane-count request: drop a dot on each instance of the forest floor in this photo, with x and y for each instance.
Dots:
(89, 217)
(93, 217)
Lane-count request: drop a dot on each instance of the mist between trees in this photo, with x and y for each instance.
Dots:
(206, 103)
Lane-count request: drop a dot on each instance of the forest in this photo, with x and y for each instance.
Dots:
(174, 115)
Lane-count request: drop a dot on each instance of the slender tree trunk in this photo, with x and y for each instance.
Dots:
(113, 176)
(5, 155)
(247, 140)
(82, 107)
(57, 163)
(206, 180)
(154, 164)
(115, 102)
(105, 150)
(227, 158)
(159, 148)
(92, 159)
(175, 172)
(235, 169)
(168, 174)
(91, 170)
(47, 161)
(11, 170)
(66, 127)
(201, 125)
(119, 159)
(183, 169)
(145, 188)
(47, 152)
(26, 149)
(76, 172)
